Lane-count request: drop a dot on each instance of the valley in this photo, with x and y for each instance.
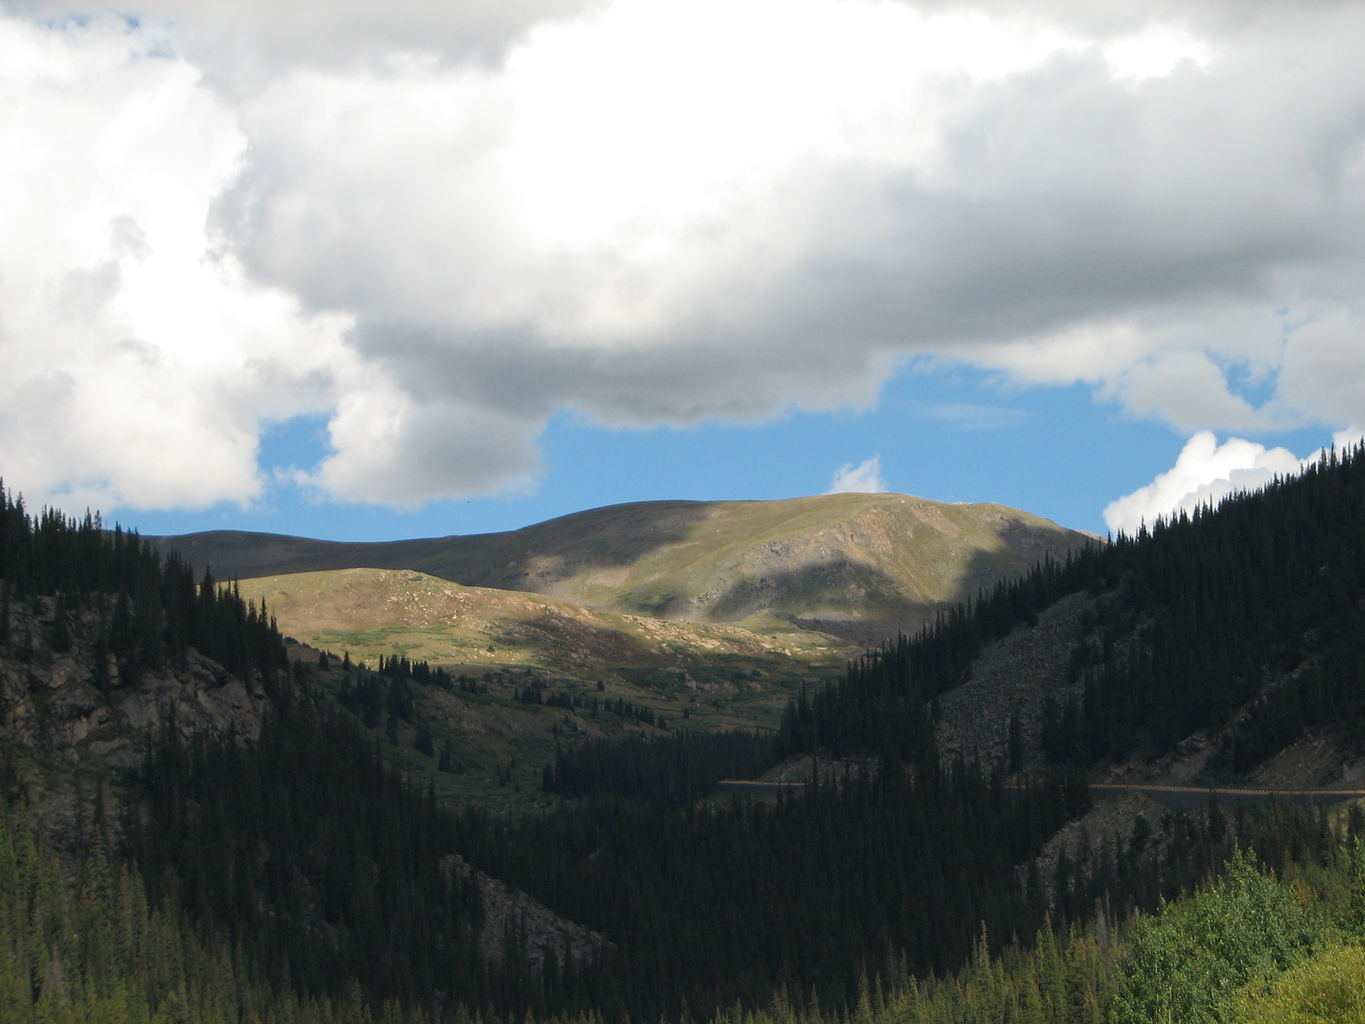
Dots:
(707, 616)
(549, 773)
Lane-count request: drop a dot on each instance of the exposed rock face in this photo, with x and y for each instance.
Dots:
(68, 727)
(1012, 675)
(54, 700)
(65, 724)
(510, 914)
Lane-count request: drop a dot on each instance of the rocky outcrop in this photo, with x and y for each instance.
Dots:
(69, 724)
(59, 700)
(511, 916)
(1012, 676)
(71, 727)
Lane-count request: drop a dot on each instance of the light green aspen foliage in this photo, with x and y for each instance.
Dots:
(1327, 988)
(1188, 963)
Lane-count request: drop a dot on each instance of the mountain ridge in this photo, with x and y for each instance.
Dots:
(1211, 648)
(863, 567)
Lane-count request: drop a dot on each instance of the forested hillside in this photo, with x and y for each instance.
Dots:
(304, 874)
(1249, 617)
(150, 608)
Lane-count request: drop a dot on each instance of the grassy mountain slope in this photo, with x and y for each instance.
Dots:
(861, 566)
(369, 612)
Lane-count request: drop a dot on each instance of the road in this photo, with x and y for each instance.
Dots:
(1188, 797)
(1175, 797)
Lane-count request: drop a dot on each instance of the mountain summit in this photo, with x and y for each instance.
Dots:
(859, 566)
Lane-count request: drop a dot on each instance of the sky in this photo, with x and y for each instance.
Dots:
(370, 271)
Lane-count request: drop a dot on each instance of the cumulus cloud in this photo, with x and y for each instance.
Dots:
(864, 478)
(441, 224)
(140, 359)
(387, 446)
(247, 42)
(1350, 438)
(1204, 473)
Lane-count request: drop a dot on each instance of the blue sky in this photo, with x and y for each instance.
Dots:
(366, 272)
(945, 434)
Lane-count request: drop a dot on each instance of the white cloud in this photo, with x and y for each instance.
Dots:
(1204, 473)
(139, 359)
(1155, 52)
(1184, 387)
(441, 224)
(1351, 437)
(246, 43)
(864, 478)
(388, 447)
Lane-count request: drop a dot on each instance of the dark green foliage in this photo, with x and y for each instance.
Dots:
(157, 613)
(97, 949)
(675, 771)
(400, 668)
(1014, 743)
(422, 741)
(884, 705)
(1093, 974)
(329, 879)
(92, 948)
(1257, 605)
(319, 862)
(710, 907)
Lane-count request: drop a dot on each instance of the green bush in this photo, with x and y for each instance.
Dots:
(1188, 963)
(1327, 988)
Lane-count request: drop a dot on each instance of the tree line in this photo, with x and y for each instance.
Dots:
(148, 611)
(310, 870)
(1250, 615)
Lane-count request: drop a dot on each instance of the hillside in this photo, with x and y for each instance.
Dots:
(1234, 629)
(859, 566)
(948, 818)
(367, 613)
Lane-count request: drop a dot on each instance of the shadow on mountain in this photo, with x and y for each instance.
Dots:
(1027, 549)
(536, 557)
(852, 600)
(529, 559)
(859, 602)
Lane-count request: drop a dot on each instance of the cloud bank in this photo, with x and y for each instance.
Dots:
(439, 228)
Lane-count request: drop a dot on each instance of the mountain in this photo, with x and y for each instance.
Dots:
(369, 613)
(294, 819)
(1200, 651)
(858, 566)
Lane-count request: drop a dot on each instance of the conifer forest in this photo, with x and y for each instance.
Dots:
(304, 873)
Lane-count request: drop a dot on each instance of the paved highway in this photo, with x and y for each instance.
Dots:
(1177, 797)
(1186, 797)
